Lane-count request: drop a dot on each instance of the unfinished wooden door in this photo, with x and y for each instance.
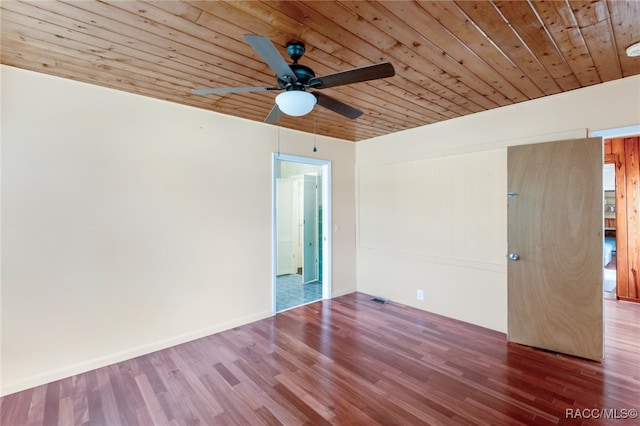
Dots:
(555, 224)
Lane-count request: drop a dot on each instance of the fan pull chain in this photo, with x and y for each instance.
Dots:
(315, 148)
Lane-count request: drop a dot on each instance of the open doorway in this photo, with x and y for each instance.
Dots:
(621, 218)
(301, 257)
(610, 247)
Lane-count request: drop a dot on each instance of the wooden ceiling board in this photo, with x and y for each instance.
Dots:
(452, 58)
(534, 34)
(473, 42)
(624, 18)
(427, 64)
(563, 27)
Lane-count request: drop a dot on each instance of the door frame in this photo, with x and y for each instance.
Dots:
(325, 244)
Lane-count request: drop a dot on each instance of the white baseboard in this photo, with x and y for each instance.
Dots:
(343, 292)
(78, 368)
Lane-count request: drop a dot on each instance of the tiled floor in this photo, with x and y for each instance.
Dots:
(291, 292)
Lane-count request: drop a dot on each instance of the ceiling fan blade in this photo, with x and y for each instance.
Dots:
(337, 106)
(355, 75)
(222, 90)
(268, 52)
(274, 115)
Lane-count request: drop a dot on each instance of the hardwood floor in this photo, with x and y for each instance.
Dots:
(349, 361)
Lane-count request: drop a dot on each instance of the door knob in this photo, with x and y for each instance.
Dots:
(514, 256)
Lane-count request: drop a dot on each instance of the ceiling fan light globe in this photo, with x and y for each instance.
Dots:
(296, 102)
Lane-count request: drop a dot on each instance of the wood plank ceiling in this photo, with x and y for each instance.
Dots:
(452, 58)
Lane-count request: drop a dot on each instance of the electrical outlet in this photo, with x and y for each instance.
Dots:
(420, 295)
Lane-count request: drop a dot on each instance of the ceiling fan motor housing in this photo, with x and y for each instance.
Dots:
(303, 74)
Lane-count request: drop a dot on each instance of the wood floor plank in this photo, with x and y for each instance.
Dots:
(347, 361)
(80, 404)
(36, 408)
(154, 408)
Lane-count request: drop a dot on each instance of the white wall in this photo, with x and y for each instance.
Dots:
(130, 224)
(431, 201)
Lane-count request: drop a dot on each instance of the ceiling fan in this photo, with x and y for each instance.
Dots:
(296, 79)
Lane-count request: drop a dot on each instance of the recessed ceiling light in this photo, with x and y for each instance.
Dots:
(633, 50)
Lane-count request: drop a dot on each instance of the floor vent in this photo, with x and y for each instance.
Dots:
(379, 299)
